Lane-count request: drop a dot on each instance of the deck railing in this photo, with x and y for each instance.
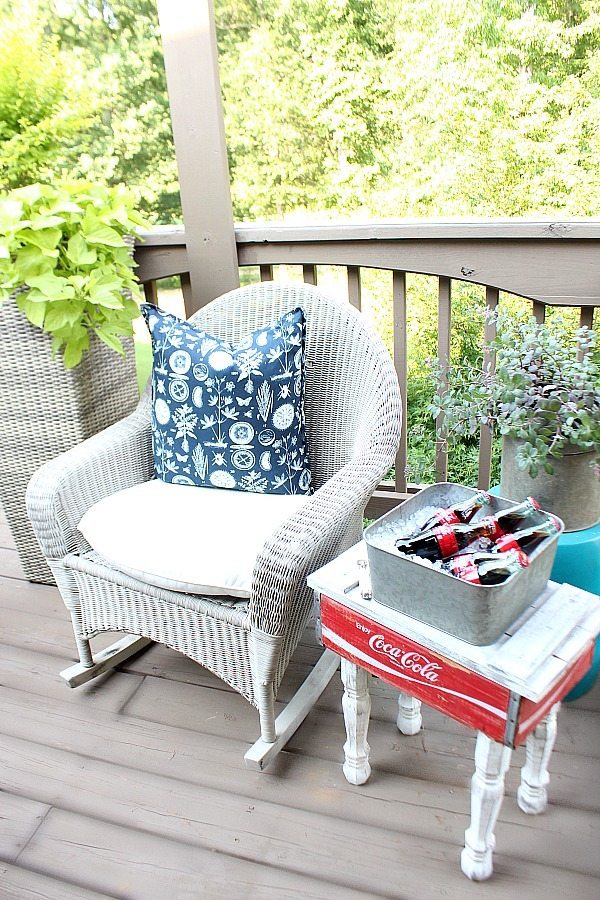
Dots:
(549, 264)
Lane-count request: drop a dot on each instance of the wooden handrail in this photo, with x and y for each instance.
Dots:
(549, 263)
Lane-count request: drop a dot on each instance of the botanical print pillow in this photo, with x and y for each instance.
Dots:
(229, 416)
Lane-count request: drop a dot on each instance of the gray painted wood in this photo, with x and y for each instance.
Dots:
(191, 64)
(19, 820)
(141, 782)
(354, 286)
(134, 864)
(551, 262)
(489, 362)
(401, 364)
(22, 884)
(443, 352)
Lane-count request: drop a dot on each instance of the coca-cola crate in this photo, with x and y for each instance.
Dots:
(475, 613)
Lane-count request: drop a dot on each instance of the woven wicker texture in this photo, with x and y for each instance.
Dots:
(45, 409)
(353, 427)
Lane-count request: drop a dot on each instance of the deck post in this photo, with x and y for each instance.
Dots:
(191, 64)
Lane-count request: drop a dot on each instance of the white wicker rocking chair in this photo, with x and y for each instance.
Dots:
(353, 418)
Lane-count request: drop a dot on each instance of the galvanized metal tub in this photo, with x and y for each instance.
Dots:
(478, 614)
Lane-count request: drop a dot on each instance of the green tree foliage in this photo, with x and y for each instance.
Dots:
(373, 108)
(334, 109)
(404, 108)
(43, 116)
(118, 44)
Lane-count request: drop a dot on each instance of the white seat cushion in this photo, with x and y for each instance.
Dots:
(191, 539)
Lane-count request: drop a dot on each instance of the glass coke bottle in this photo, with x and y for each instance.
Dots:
(510, 517)
(486, 568)
(448, 540)
(458, 513)
(527, 539)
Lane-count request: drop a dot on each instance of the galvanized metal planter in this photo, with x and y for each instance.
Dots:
(572, 493)
(478, 614)
(46, 409)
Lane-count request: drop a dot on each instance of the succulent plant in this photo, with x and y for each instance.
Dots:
(544, 389)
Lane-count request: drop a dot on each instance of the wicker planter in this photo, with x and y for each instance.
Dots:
(45, 409)
(572, 492)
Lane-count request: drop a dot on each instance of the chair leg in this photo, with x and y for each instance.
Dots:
(266, 712)
(85, 652)
(289, 720)
(106, 660)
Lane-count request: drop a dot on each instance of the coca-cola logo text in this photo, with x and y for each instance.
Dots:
(406, 659)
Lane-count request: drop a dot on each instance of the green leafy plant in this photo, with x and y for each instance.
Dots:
(65, 257)
(544, 390)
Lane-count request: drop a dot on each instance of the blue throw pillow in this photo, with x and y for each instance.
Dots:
(229, 416)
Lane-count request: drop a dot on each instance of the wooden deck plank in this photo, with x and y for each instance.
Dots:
(213, 766)
(17, 883)
(10, 564)
(435, 754)
(182, 755)
(184, 705)
(25, 670)
(140, 781)
(6, 538)
(42, 599)
(134, 864)
(209, 816)
(19, 819)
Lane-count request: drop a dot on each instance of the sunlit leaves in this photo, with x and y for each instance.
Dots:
(77, 271)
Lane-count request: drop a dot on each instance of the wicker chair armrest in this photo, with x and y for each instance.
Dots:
(306, 541)
(61, 490)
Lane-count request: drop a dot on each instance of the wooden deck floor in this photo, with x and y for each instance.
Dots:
(134, 787)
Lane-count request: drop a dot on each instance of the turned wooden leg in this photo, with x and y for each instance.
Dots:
(532, 795)
(409, 719)
(487, 791)
(356, 704)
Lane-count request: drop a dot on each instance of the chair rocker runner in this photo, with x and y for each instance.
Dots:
(353, 417)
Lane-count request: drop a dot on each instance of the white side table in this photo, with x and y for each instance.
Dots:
(509, 691)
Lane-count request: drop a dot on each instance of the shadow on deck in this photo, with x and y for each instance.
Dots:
(135, 787)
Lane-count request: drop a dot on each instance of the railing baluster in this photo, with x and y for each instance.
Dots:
(309, 274)
(151, 292)
(266, 273)
(400, 362)
(186, 290)
(444, 321)
(354, 286)
(489, 361)
(539, 311)
(586, 317)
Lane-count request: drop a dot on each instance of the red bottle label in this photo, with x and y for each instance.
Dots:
(507, 542)
(447, 517)
(464, 568)
(489, 527)
(446, 540)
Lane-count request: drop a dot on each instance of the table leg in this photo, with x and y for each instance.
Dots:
(356, 704)
(409, 719)
(487, 791)
(532, 795)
